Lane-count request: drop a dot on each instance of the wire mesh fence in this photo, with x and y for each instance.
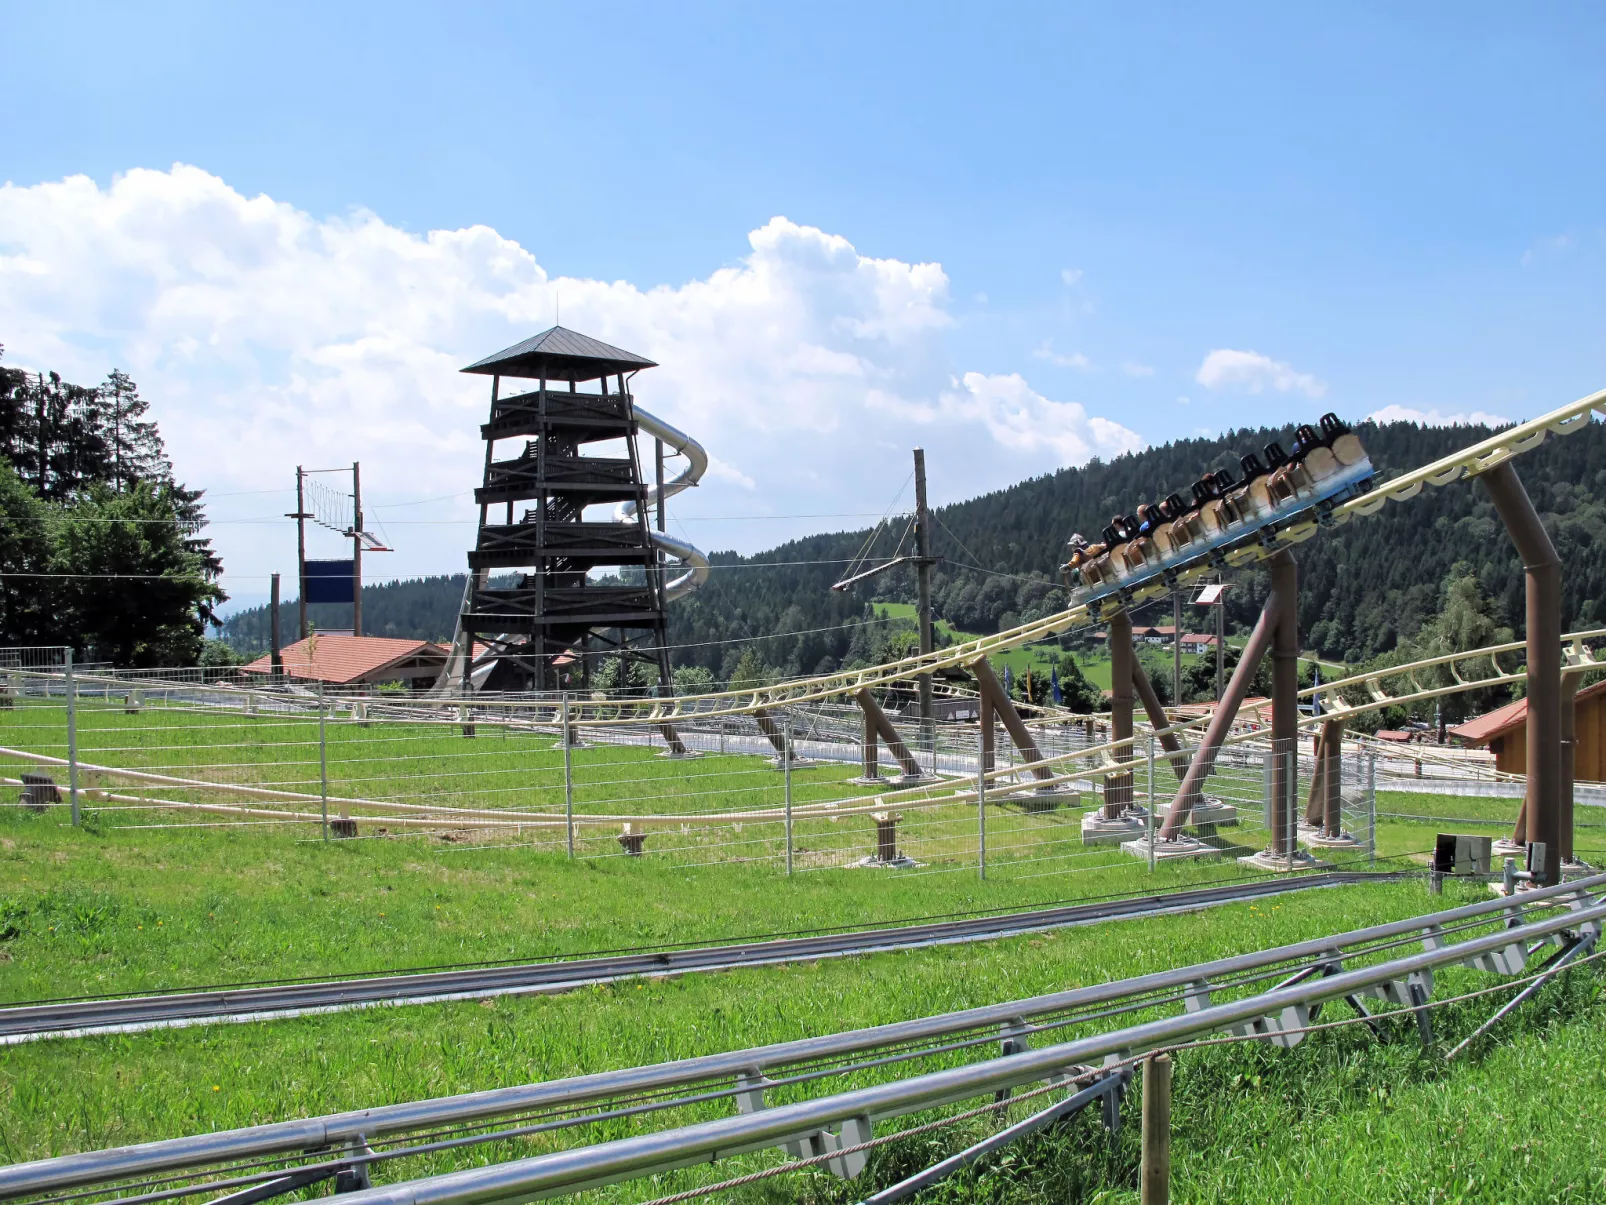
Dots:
(800, 789)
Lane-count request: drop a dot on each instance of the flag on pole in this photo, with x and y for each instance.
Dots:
(1054, 691)
(1316, 680)
(1028, 685)
(1006, 680)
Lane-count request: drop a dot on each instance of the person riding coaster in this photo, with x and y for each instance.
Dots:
(1219, 503)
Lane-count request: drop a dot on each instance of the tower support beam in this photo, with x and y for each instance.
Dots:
(1542, 801)
(992, 690)
(1203, 762)
(877, 720)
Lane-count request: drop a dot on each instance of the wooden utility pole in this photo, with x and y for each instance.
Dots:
(923, 576)
(301, 549)
(275, 658)
(1221, 643)
(356, 549)
(1176, 647)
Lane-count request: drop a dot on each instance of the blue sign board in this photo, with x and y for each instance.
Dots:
(331, 581)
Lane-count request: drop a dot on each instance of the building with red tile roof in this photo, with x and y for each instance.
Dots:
(343, 660)
(1505, 731)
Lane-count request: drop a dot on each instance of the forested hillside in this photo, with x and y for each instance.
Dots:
(1364, 587)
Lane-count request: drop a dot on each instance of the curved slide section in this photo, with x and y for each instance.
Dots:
(690, 557)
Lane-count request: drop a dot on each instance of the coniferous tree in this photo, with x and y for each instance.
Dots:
(134, 445)
(102, 549)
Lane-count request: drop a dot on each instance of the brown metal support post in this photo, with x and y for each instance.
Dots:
(988, 683)
(1569, 752)
(870, 759)
(1204, 757)
(1284, 701)
(1118, 787)
(356, 549)
(1332, 778)
(275, 656)
(772, 732)
(989, 726)
(928, 732)
(1542, 569)
(1315, 800)
(873, 715)
(1159, 720)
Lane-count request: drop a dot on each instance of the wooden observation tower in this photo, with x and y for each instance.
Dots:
(530, 598)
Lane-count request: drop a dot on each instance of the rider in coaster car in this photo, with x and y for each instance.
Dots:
(1149, 516)
(1305, 438)
(1081, 551)
(1204, 490)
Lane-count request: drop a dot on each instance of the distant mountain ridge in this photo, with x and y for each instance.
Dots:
(1363, 587)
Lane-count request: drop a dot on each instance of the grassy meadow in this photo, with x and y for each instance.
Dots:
(115, 906)
(151, 908)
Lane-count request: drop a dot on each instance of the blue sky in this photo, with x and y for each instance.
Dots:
(1401, 206)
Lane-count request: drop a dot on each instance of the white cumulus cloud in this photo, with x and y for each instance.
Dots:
(1073, 359)
(266, 337)
(1251, 372)
(1020, 418)
(1433, 418)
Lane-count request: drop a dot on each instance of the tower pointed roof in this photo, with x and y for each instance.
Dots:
(560, 354)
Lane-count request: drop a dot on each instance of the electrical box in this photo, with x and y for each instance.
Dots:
(1454, 853)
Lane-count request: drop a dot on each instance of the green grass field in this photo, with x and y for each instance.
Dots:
(110, 907)
(1340, 1118)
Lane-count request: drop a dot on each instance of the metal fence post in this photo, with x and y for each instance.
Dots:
(1371, 809)
(1286, 821)
(1268, 772)
(72, 737)
(1150, 808)
(323, 761)
(981, 804)
(568, 779)
(787, 758)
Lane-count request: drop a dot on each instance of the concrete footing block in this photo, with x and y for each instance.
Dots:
(1099, 829)
(1320, 840)
(1213, 811)
(1168, 850)
(1281, 863)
